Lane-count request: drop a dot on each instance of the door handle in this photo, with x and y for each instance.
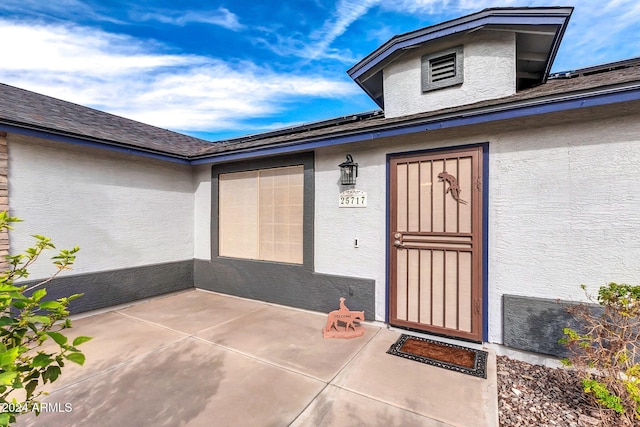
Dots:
(398, 244)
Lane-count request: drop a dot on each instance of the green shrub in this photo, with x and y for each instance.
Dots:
(27, 320)
(605, 353)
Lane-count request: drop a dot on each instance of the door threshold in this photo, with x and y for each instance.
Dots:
(478, 345)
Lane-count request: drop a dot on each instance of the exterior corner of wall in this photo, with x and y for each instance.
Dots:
(494, 306)
(202, 212)
(4, 196)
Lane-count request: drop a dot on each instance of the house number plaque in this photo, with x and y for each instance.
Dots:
(352, 199)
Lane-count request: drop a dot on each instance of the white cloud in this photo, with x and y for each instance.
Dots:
(222, 17)
(317, 45)
(347, 11)
(58, 8)
(127, 77)
(448, 7)
(219, 95)
(144, 80)
(77, 49)
(601, 33)
(598, 31)
(297, 46)
(71, 9)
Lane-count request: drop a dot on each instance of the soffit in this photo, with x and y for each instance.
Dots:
(539, 31)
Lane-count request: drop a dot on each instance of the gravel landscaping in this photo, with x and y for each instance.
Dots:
(533, 395)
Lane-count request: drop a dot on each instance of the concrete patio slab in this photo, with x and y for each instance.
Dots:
(339, 407)
(189, 383)
(115, 339)
(447, 396)
(251, 363)
(192, 311)
(289, 338)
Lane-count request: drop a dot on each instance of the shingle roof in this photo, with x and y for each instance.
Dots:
(553, 89)
(527, 22)
(25, 109)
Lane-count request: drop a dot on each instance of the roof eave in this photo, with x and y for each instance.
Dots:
(53, 135)
(556, 46)
(473, 116)
(558, 16)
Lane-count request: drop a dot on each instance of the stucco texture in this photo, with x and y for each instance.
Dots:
(337, 228)
(123, 211)
(563, 203)
(202, 212)
(564, 206)
(489, 72)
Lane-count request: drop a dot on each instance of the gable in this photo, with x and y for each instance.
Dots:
(537, 31)
(485, 68)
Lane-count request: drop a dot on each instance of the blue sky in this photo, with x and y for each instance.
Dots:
(218, 69)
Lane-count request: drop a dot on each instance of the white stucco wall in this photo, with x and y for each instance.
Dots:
(123, 211)
(202, 212)
(337, 228)
(563, 210)
(564, 204)
(489, 72)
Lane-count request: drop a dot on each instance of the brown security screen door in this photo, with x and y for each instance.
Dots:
(436, 242)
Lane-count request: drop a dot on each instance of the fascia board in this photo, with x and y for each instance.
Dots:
(378, 56)
(485, 115)
(52, 136)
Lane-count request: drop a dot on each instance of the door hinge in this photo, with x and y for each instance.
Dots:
(477, 306)
(478, 185)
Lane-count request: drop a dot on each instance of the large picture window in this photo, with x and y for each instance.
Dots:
(261, 213)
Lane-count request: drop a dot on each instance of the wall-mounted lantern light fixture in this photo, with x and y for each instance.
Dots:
(348, 171)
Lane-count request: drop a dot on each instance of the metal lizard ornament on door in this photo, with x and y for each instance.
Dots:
(454, 188)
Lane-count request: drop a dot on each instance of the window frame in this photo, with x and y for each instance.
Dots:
(258, 178)
(427, 83)
(304, 159)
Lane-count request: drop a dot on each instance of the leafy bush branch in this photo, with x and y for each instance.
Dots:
(26, 322)
(605, 352)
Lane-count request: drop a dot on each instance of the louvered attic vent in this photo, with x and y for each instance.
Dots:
(442, 69)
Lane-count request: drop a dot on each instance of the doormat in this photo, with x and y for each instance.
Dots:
(443, 355)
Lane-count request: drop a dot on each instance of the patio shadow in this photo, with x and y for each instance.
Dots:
(166, 388)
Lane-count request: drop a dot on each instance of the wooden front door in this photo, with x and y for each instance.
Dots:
(436, 242)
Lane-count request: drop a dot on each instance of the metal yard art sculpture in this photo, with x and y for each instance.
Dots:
(350, 319)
